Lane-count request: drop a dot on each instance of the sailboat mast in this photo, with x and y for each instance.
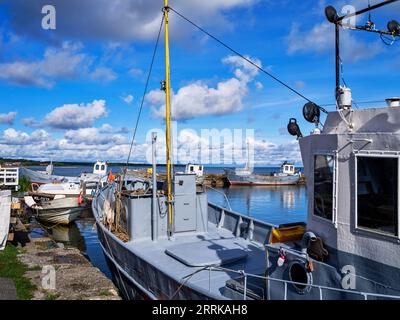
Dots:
(168, 121)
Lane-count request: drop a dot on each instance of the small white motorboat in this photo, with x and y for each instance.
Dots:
(60, 210)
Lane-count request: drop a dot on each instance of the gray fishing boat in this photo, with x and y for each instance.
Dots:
(246, 177)
(164, 240)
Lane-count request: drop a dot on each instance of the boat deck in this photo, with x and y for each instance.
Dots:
(193, 252)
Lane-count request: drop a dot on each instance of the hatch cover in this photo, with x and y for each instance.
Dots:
(207, 252)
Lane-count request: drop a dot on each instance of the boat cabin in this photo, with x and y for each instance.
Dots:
(353, 182)
(100, 168)
(352, 173)
(288, 168)
(194, 169)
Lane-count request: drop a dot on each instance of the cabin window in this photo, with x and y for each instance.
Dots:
(377, 194)
(97, 167)
(191, 168)
(102, 167)
(323, 186)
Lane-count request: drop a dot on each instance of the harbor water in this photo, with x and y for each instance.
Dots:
(276, 205)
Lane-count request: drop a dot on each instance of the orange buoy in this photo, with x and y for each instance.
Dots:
(111, 177)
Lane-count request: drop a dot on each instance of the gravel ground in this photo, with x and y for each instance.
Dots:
(75, 277)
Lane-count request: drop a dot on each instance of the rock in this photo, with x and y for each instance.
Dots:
(8, 291)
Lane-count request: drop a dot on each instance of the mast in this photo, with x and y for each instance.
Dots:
(168, 122)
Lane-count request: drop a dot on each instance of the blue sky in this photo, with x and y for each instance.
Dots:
(74, 93)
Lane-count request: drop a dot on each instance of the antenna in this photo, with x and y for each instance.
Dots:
(393, 29)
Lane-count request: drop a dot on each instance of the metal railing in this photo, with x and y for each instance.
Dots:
(9, 176)
(220, 192)
(320, 288)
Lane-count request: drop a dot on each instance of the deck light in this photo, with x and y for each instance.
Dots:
(331, 14)
(394, 27)
(293, 128)
(311, 112)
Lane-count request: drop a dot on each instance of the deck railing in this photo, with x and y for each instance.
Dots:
(9, 177)
(364, 295)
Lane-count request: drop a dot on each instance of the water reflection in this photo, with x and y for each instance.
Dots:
(277, 205)
(69, 235)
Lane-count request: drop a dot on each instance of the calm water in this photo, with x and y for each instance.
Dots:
(275, 205)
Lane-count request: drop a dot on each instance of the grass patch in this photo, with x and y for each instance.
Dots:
(52, 296)
(105, 293)
(13, 269)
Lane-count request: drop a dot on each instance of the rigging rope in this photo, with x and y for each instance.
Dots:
(241, 56)
(145, 90)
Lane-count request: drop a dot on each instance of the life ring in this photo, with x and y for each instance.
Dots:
(34, 186)
(298, 273)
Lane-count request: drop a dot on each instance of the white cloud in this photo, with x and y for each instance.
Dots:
(90, 144)
(7, 118)
(107, 128)
(259, 85)
(11, 136)
(92, 136)
(135, 72)
(66, 62)
(199, 99)
(121, 20)
(299, 84)
(320, 39)
(74, 116)
(128, 99)
(103, 74)
(63, 63)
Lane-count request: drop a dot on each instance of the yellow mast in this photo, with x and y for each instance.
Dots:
(168, 122)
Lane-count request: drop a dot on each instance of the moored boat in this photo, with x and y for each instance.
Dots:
(42, 177)
(60, 210)
(166, 241)
(246, 177)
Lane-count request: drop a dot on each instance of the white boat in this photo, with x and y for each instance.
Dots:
(41, 177)
(5, 210)
(66, 188)
(60, 210)
(196, 169)
(86, 184)
(44, 177)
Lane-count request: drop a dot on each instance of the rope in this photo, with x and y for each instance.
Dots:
(145, 89)
(187, 279)
(241, 56)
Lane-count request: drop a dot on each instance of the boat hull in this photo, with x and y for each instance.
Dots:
(262, 180)
(59, 216)
(60, 211)
(137, 278)
(43, 178)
